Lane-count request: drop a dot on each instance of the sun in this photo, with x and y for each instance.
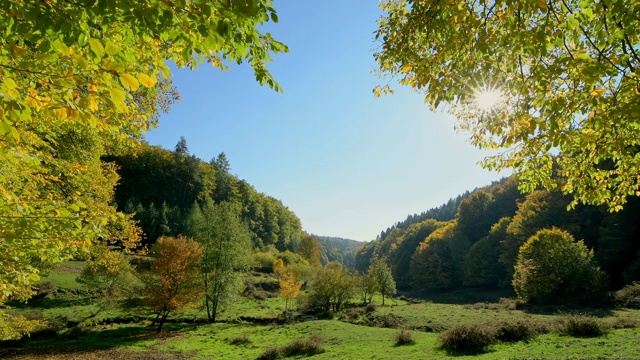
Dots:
(486, 98)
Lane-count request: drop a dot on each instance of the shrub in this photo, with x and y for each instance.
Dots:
(552, 267)
(370, 308)
(310, 346)
(467, 338)
(624, 323)
(241, 339)
(628, 296)
(518, 330)
(263, 261)
(404, 337)
(352, 313)
(580, 325)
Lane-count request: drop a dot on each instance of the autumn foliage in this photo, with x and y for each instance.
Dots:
(289, 287)
(174, 282)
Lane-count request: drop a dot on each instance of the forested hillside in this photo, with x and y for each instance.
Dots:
(338, 249)
(162, 186)
(481, 244)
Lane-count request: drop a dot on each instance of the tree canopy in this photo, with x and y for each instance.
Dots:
(80, 79)
(565, 76)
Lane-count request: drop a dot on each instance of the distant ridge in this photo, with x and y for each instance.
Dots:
(338, 249)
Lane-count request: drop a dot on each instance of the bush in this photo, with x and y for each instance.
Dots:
(624, 323)
(579, 325)
(311, 346)
(370, 308)
(628, 296)
(518, 330)
(352, 313)
(404, 337)
(241, 339)
(467, 338)
(263, 261)
(552, 267)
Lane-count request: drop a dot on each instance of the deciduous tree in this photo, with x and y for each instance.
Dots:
(552, 267)
(226, 245)
(174, 281)
(310, 250)
(382, 275)
(550, 76)
(83, 78)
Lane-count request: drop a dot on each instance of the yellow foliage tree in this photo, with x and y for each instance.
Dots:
(80, 79)
(289, 287)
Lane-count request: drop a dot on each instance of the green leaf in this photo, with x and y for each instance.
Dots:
(111, 48)
(96, 47)
(5, 128)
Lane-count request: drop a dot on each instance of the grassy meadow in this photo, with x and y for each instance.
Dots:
(253, 326)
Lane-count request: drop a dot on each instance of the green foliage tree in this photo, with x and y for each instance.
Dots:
(226, 250)
(481, 266)
(173, 283)
(473, 216)
(382, 275)
(567, 72)
(400, 255)
(333, 286)
(309, 248)
(368, 286)
(108, 275)
(541, 209)
(437, 261)
(83, 78)
(552, 267)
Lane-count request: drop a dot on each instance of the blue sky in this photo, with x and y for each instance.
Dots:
(346, 163)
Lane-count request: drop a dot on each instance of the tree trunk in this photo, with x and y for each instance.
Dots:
(162, 320)
(156, 319)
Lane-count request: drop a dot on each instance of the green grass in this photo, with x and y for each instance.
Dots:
(348, 339)
(64, 275)
(342, 341)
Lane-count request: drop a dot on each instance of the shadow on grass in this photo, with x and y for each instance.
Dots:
(563, 309)
(464, 296)
(51, 303)
(79, 342)
(468, 352)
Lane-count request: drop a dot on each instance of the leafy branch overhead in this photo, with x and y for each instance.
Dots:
(80, 79)
(568, 73)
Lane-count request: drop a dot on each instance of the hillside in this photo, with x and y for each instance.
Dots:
(338, 249)
(161, 187)
(479, 245)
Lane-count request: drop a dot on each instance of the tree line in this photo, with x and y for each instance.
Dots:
(161, 187)
(483, 244)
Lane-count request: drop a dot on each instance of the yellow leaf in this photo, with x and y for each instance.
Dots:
(146, 80)
(129, 82)
(93, 104)
(9, 83)
(97, 47)
(33, 277)
(61, 113)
